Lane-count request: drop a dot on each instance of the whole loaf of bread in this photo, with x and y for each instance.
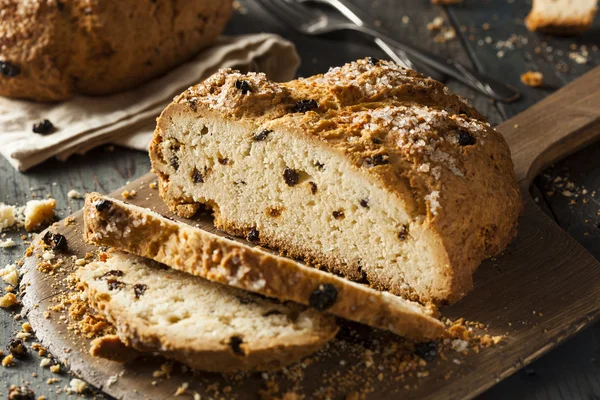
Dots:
(371, 171)
(50, 49)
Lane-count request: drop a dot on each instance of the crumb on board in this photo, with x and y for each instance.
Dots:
(8, 361)
(128, 194)
(8, 300)
(77, 385)
(7, 243)
(38, 212)
(10, 274)
(74, 194)
(182, 389)
(532, 78)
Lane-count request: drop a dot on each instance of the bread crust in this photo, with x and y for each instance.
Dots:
(565, 24)
(97, 48)
(467, 196)
(201, 253)
(211, 353)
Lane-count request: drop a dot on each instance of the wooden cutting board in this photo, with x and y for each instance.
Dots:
(543, 289)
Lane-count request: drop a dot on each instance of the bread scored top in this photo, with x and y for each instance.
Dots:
(370, 170)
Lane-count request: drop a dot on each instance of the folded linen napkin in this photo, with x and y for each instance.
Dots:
(129, 118)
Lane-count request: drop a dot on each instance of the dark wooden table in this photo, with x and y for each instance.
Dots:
(490, 36)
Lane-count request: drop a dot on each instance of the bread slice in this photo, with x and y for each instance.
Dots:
(202, 324)
(143, 232)
(370, 170)
(561, 16)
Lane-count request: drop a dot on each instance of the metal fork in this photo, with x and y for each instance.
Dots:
(314, 22)
(356, 16)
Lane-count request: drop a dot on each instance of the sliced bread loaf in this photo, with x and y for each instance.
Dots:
(370, 170)
(143, 232)
(202, 324)
(561, 16)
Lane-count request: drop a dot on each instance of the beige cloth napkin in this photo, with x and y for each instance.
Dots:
(129, 118)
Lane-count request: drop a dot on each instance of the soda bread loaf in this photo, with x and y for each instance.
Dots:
(200, 323)
(138, 230)
(50, 49)
(561, 16)
(370, 170)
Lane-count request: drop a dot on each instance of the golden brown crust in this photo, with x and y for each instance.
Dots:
(110, 347)
(198, 252)
(76, 46)
(440, 158)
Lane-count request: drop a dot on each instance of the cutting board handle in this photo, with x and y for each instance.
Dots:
(557, 126)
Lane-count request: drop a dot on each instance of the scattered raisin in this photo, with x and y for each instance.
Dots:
(20, 393)
(259, 137)
(323, 297)
(55, 240)
(115, 284)
(223, 161)
(17, 348)
(174, 161)
(378, 159)
(313, 187)
(304, 106)
(319, 166)
(338, 214)
(139, 289)
(193, 104)
(9, 70)
(113, 272)
(464, 138)
(244, 300)
(102, 205)
(373, 60)
(364, 203)
(427, 350)
(43, 127)
(235, 342)
(274, 212)
(253, 235)
(290, 176)
(272, 312)
(244, 86)
(197, 176)
(403, 234)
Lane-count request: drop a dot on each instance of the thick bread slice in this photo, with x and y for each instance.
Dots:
(202, 324)
(180, 246)
(370, 170)
(561, 16)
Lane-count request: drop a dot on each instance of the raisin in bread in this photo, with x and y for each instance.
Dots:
(138, 230)
(370, 170)
(200, 323)
(51, 49)
(561, 16)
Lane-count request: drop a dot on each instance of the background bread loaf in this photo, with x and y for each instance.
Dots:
(50, 49)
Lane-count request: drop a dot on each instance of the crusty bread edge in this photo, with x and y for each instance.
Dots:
(210, 256)
(537, 22)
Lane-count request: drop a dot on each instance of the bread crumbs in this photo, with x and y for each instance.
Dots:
(8, 300)
(8, 361)
(532, 79)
